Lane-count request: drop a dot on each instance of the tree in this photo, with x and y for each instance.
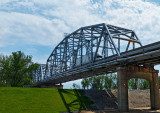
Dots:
(85, 83)
(110, 81)
(17, 69)
(144, 84)
(132, 83)
(91, 83)
(96, 82)
(75, 86)
(5, 70)
(100, 82)
(114, 81)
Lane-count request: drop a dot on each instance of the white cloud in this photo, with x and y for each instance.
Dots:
(42, 27)
(44, 22)
(49, 19)
(18, 28)
(74, 13)
(142, 17)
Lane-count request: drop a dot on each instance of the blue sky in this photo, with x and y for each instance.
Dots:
(37, 26)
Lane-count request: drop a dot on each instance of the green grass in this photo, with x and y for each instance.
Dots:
(41, 100)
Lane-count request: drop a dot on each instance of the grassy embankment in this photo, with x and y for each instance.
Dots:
(41, 100)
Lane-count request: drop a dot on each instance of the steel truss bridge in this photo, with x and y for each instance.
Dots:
(102, 49)
(95, 50)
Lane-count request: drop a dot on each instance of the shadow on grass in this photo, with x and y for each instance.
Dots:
(79, 102)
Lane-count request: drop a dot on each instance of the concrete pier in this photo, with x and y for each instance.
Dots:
(154, 91)
(126, 73)
(122, 89)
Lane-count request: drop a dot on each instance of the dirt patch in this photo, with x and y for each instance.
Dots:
(139, 98)
(108, 100)
(103, 99)
(141, 110)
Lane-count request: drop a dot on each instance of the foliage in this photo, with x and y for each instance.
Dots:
(138, 84)
(75, 86)
(41, 100)
(85, 83)
(100, 82)
(17, 69)
(144, 84)
(132, 83)
(110, 82)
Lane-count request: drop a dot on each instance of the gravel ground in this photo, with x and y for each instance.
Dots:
(144, 110)
(108, 100)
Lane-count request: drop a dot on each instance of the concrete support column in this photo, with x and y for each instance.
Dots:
(60, 86)
(122, 89)
(154, 91)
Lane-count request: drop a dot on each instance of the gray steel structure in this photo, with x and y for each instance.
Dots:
(118, 47)
(39, 73)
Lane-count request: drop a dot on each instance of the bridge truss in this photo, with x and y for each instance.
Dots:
(89, 49)
(39, 73)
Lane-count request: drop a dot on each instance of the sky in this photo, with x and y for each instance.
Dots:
(36, 26)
